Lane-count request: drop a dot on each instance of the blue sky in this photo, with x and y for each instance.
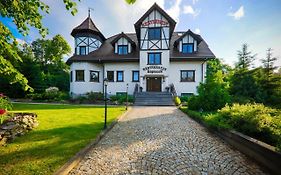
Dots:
(224, 24)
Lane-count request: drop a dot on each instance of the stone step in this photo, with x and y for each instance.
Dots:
(154, 104)
(154, 99)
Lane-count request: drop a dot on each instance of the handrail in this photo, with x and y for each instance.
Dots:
(136, 90)
(173, 89)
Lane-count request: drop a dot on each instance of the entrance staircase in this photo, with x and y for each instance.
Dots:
(154, 99)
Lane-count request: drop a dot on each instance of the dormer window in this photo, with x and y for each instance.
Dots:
(187, 48)
(82, 50)
(122, 49)
(154, 33)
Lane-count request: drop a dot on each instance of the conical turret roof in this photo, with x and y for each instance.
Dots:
(87, 26)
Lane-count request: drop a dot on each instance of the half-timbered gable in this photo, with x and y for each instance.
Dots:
(154, 29)
(123, 44)
(188, 42)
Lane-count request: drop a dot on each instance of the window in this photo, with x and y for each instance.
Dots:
(110, 75)
(80, 75)
(121, 93)
(122, 49)
(136, 75)
(154, 33)
(120, 76)
(187, 48)
(188, 95)
(82, 50)
(154, 58)
(71, 78)
(94, 76)
(188, 75)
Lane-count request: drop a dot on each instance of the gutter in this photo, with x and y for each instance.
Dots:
(202, 69)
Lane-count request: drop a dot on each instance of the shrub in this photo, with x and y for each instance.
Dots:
(121, 98)
(184, 98)
(95, 96)
(177, 100)
(194, 103)
(255, 120)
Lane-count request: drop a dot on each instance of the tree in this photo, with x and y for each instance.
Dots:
(268, 63)
(24, 14)
(270, 81)
(48, 52)
(245, 58)
(213, 94)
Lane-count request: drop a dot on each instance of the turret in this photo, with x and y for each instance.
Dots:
(87, 37)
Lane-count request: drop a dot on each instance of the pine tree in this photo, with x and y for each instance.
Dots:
(245, 58)
(268, 63)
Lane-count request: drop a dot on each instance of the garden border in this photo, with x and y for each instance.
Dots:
(262, 153)
(71, 163)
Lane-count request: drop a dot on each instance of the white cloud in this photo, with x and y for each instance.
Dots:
(174, 11)
(194, 1)
(124, 16)
(197, 31)
(189, 10)
(238, 14)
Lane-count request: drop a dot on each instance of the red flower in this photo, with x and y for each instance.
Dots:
(2, 111)
(2, 95)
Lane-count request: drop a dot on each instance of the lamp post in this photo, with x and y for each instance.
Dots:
(127, 85)
(105, 101)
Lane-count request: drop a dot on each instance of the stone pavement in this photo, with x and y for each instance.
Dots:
(162, 140)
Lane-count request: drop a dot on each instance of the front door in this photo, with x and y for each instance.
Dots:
(153, 84)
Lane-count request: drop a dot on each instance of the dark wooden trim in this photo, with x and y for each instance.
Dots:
(154, 53)
(181, 80)
(133, 76)
(123, 45)
(85, 50)
(76, 71)
(154, 28)
(117, 76)
(107, 75)
(98, 76)
(187, 44)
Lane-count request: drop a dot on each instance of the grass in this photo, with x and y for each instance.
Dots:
(63, 130)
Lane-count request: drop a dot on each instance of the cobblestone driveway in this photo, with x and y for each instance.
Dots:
(162, 140)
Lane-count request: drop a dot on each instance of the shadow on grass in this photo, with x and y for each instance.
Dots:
(46, 150)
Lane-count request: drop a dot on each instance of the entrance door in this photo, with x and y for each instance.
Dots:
(153, 84)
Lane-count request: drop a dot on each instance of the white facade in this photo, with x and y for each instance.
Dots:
(155, 69)
(82, 87)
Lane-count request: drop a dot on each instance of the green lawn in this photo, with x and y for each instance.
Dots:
(63, 130)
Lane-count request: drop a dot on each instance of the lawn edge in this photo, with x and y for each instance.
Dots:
(74, 161)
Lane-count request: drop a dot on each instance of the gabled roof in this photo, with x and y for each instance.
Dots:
(189, 32)
(203, 52)
(106, 52)
(122, 35)
(171, 21)
(87, 26)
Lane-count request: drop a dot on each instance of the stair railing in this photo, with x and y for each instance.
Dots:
(136, 90)
(173, 90)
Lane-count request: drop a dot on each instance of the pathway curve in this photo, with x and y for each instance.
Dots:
(162, 140)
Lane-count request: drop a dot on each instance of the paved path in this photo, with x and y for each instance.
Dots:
(162, 140)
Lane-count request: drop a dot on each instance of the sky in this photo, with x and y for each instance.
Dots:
(224, 24)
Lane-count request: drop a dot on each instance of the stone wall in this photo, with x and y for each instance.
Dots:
(16, 125)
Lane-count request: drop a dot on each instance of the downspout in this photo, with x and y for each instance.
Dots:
(202, 68)
(103, 76)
